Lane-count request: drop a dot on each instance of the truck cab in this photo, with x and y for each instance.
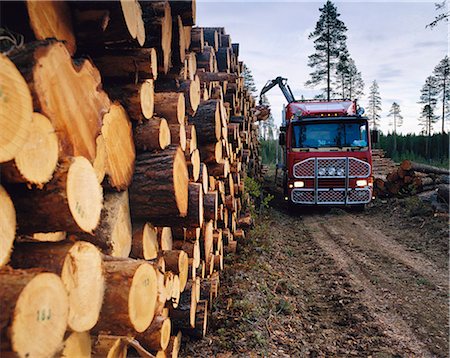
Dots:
(327, 157)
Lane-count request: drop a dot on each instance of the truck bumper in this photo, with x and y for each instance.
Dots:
(331, 196)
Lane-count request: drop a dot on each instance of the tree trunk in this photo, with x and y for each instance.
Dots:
(177, 262)
(71, 201)
(69, 97)
(80, 267)
(210, 202)
(207, 123)
(178, 135)
(8, 231)
(119, 147)
(130, 297)
(178, 41)
(34, 312)
(194, 217)
(156, 337)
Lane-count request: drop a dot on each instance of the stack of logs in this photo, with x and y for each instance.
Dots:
(381, 164)
(126, 134)
(410, 178)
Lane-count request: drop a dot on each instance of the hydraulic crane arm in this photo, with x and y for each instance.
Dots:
(282, 83)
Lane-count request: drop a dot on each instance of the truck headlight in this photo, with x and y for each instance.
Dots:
(299, 184)
(331, 171)
(322, 171)
(361, 182)
(340, 172)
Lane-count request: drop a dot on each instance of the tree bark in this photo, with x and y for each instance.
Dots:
(152, 135)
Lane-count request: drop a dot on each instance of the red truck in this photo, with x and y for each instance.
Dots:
(327, 158)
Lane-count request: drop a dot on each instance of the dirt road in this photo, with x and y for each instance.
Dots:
(336, 283)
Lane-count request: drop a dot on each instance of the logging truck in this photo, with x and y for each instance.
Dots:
(326, 151)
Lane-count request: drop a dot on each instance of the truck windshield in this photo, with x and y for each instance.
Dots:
(322, 135)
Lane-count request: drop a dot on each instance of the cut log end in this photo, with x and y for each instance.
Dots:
(15, 102)
(147, 98)
(142, 297)
(84, 194)
(164, 134)
(180, 180)
(7, 226)
(77, 345)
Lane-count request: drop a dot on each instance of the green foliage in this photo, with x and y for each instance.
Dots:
(428, 97)
(253, 188)
(269, 151)
(413, 147)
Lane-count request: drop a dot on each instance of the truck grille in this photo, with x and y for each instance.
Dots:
(338, 196)
(331, 168)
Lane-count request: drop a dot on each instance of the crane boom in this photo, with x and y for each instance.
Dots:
(282, 83)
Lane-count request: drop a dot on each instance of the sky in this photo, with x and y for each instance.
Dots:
(389, 42)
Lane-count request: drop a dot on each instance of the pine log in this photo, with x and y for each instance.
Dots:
(209, 77)
(130, 297)
(223, 56)
(424, 168)
(183, 316)
(177, 262)
(100, 160)
(120, 153)
(43, 237)
(176, 291)
(137, 99)
(165, 238)
(113, 233)
(171, 106)
(211, 37)
(38, 21)
(16, 110)
(225, 41)
(197, 39)
(211, 153)
(7, 226)
(207, 122)
(192, 249)
(77, 345)
(70, 97)
(191, 66)
(187, 36)
(191, 138)
(178, 41)
(443, 192)
(109, 346)
(71, 201)
(34, 312)
(108, 23)
(158, 28)
(206, 59)
(186, 9)
(152, 134)
(191, 89)
(194, 217)
(220, 170)
(178, 135)
(80, 267)
(204, 177)
(159, 192)
(126, 65)
(210, 202)
(201, 322)
(206, 241)
(156, 337)
(173, 348)
(145, 242)
(194, 165)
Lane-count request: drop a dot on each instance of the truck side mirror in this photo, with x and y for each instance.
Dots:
(282, 139)
(374, 136)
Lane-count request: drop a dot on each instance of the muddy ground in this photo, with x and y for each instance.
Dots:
(335, 283)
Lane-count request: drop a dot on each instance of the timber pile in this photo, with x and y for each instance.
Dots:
(381, 164)
(126, 137)
(410, 178)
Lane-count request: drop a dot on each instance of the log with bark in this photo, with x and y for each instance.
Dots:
(71, 201)
(113, 233)
(77, 345)
(171, 106)
(194, 217)
(152, 135)
(178, 41)
(207, 122)
(130, 297)
(178, 135)
(80, 267)
(159, 192)
(156, 337)
(177, 262)
(34, 313)
(70, 97)
(165, 238)
(145, 242)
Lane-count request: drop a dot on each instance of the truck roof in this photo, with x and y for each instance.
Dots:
(318, 108)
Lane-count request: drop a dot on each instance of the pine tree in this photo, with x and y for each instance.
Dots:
(329, 41)
(397, 121)
(249, 81)
(443, 16)
(428, 97)
(374, 107)
(266, 127)
(349, 82)
(442, 74)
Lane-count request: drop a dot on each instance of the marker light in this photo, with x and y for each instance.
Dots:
(286, 198)
(299, 184)
(340, 172)
(331, 171)
(362, 182)
(291, 186)
(322, 171)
